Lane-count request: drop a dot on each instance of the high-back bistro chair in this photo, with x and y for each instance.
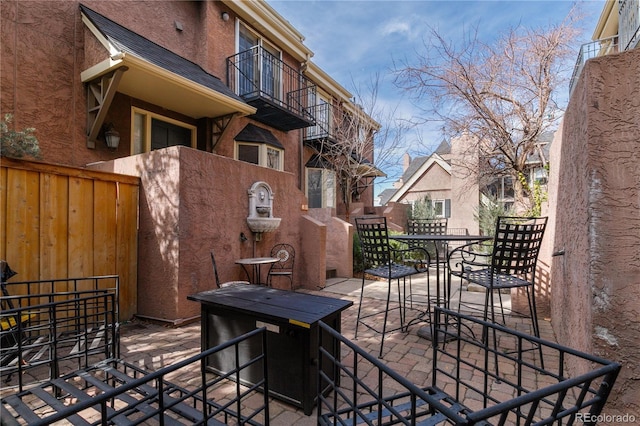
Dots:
(381, 261)
(511, 263)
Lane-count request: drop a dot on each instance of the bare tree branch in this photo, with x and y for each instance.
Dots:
(364, 139)
(503, 94)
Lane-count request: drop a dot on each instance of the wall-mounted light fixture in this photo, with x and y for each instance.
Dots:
(224, 16)
(111, 136)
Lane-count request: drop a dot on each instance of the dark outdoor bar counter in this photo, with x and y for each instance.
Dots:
(291, 320)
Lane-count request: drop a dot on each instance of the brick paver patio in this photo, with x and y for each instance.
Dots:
(153, 346)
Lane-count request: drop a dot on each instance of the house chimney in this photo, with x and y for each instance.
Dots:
(406, 160)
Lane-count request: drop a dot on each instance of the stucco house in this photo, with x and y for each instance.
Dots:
(200, 100)
(454, 194)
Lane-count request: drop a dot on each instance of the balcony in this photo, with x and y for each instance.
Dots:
(590, 50)
(279, 92)
(324, 128)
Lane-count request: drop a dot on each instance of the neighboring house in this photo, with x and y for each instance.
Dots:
(501, 188)
(617, 30)
(452, 193)
(427, 176)
(200, 100)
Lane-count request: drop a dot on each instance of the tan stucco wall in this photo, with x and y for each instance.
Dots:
(191, 202)
(595, 192)
(338, 243)
(436, 182)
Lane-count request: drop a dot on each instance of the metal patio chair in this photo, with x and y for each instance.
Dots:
(437, 249)
(227, 283)
(381, 261)
(286, 255)
(511, 263)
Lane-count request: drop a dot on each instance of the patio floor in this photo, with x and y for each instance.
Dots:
(154, 346)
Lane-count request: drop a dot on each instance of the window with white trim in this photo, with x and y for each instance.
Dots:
(321, 188)
(260, 154)
(151, 131)
(438, 208)
(435, 208)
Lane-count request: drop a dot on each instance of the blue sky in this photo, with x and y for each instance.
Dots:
(352, 40)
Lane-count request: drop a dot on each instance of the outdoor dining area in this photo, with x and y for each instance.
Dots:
(405, 343)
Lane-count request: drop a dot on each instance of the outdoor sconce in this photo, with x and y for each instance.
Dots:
(224, 16)
(111, 137)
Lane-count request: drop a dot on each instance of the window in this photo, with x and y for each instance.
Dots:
(441, 208)
(257, 145)
(260, 154)
(435, 208)
(152, 131)
(321, 188)
(502, 188)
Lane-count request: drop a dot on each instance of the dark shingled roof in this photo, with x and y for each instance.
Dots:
(386, 195)
(415, 164)
(444, 148)
(127, 41)
(253, 133)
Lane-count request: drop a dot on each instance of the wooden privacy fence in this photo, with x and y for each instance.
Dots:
(65, 222)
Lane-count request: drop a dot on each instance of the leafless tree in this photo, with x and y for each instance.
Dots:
(365, 138)
(502, 94)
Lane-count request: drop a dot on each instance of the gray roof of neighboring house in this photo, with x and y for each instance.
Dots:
(386, 195)
(129, 42)
(444, 148)
(414, 166)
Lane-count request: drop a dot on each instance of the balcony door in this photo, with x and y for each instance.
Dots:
(248, 62)
(260, 69)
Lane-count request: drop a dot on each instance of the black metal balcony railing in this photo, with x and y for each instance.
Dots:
(279, 92)
(324, 127)
(590, 50)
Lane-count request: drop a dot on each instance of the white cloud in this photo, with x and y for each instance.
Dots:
(396, 26)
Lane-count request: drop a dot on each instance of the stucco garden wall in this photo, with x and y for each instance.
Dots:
(595, 190)
(191, 202)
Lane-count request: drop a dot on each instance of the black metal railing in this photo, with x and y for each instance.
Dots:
(117, 392)
(61, 344)
(48, 332)
(324, 127)
(466, 387)
(257, 73)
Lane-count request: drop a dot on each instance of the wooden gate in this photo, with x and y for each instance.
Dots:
(65, 222)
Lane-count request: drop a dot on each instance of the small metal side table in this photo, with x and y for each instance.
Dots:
(291, 320)
(426, 331)
(255, 263)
